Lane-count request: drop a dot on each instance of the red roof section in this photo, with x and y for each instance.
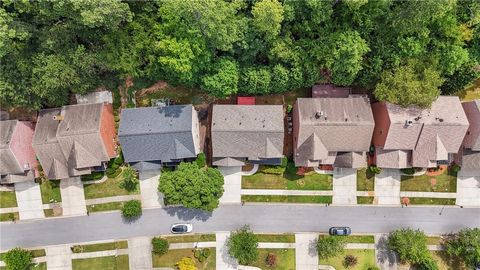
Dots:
(246, 100)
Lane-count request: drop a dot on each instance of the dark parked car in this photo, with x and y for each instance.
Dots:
(340, 231)
(181, 228)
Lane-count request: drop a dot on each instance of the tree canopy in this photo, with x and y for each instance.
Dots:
(411, 247)
(465, 245)
(329, 246)
(192, 186)
(18, 259)
(51, 49)
(242, 245)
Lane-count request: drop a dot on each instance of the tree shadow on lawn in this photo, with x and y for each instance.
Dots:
(188, 213)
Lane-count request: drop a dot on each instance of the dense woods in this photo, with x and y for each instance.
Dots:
(404, 51)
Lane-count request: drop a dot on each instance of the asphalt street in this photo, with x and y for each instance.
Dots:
(261, 218)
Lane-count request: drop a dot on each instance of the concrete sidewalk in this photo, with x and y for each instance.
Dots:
(306, 256)
(29, 200)
(73, 197)
(413, 194)
(189, 245)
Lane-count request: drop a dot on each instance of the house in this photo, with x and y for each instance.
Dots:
(469, 154)
(17, 158)
(418, 137)
(75, 140)
(332, 131)
(153, 137)
(247, 134)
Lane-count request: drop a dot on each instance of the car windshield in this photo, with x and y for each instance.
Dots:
(180, 228)
(341, 232)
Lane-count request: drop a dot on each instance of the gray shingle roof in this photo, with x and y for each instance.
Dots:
(70, 146)
(8, 162)
(331, 125)
(247, 131)
(472, 110)
(158, 133)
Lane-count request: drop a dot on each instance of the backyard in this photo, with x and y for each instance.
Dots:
(365, 257)
(285, 259)
(119, 262)
(174, 255)
(50, 190)
(444, 182)
(8, 199)
(365, 180)
(309, 181)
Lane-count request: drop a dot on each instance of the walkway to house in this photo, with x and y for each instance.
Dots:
(151, 197)
(59, 257)
(29, 200)
(387, 187)
(306, 256)
(287, 192)
(468, 190)
(140, 253)
(344, 186)
(73, 197)
(223, 260)
(233, 184)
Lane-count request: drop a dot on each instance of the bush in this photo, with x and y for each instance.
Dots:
(271, 259)
(350, 261)
(289, 108)
(130, 179)
(206, 253)
(201, 259)
(92, 176)
(201, 160)
(428, 264)
(197, 253)
(455, 168)
(186, 263)
(284, 162)
(373, 268)
(18, 259)
(160, 246)
(132, 209)
(375, 169)
(113, 172)
(408, 171)
(279, 170)
(118, 161)
(291, 169)
(77, 249)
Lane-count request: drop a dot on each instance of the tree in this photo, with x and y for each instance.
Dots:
(160, 246)
(132, 209)
(130, 179)
(186, 263)
(242, 245)
(465, 245)
(268, 17)
(192, 186)
(411, 84)
(255, 81)
(18, 259)
(410, 245)
(224, 80)
(329, 246)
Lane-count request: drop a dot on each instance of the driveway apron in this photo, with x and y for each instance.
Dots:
(29, 200)
(151, 197)
(233, 184)
(73, 197)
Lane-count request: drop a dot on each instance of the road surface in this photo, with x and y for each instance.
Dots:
(261, 218)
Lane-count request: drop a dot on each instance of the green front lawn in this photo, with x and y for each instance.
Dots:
(191, 238)
(50, 190)
(310, 181)
(8, 199)
(365, 257)
(434, 240)
(9, 216)
(104, 246)
(431, 201)
(174, 255)
(285, 259)
(446, 262)
(365, 199)
(105, 263)
(276, 238)
(286, 199)
(446, 182)
(365, 180)
(104, 207)
(109, 188)
(363, 239)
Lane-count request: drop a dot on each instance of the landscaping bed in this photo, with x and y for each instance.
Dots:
(285, 259)
(431, 201)
(50, 190)
(445, 182)
(105, 263)
(191, 238)
(309, 181)
(286, 199)
(100, 247)
(365, 180)
(8, 199)
(105, 207)
(109, 188)
(365, 199)
(365, 257)
(276, 238)
(174, 255)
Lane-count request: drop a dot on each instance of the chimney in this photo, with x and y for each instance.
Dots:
(58, 117)
(408, 123)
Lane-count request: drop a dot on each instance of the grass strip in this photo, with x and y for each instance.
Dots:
(431, 201)
(286, 199)
(191, 238)
(276, 238)
(365, 199)
(105, 207)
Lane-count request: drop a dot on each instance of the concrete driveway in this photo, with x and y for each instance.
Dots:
(149, 189)
(223, 260)
(73, 197)
(468, 190)
(140, 253)
(344, 186)
(387, 187)
(233, 184)
(29, 200)
(306, 256)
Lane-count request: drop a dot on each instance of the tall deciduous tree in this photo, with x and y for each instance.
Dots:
(191, 186)
(410, 245)
(268, 17)
(465, 245)
(329, 246)
(242, 245)
(18, 259)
